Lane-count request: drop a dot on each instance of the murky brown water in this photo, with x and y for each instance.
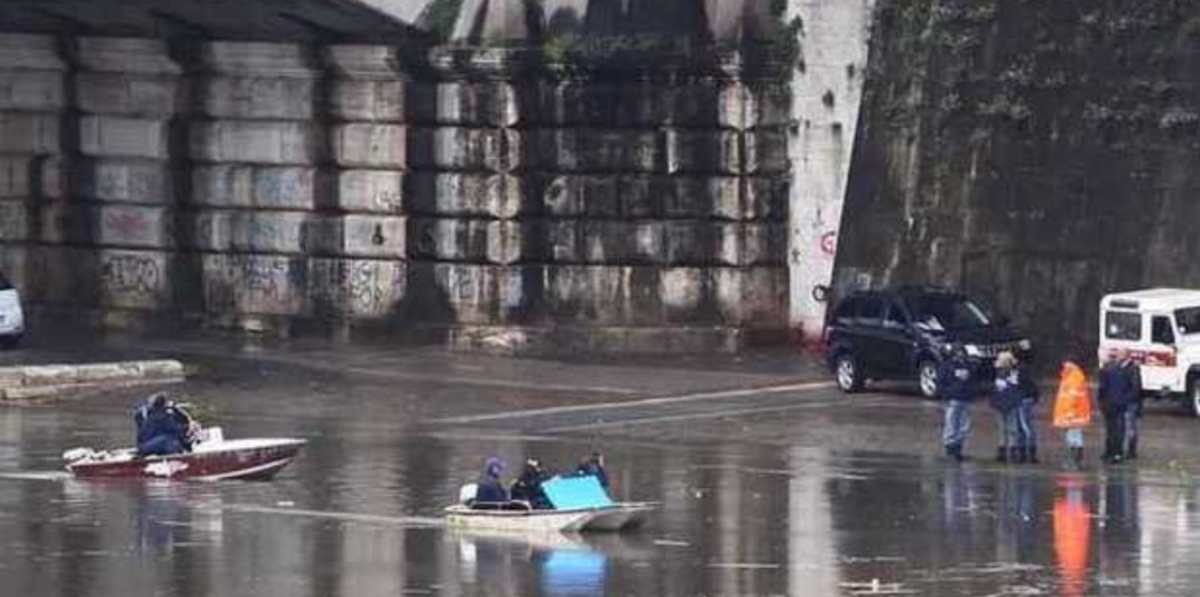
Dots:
(358, 515)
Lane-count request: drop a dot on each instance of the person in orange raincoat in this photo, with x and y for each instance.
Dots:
(1073, 407)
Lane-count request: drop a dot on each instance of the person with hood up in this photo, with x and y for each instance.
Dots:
(162, 428)
(957, 387)
(1073, 407)
(1006, 400)
(489, 489)
(528, 487)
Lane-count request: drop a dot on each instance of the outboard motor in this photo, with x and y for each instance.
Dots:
(467, 493)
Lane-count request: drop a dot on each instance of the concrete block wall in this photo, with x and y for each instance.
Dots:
(255, 149)
(127, 94)
(261, 183)
(658, 197)
(33, 103)
(364, 194)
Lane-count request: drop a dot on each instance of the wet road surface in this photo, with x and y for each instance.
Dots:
(772, 483)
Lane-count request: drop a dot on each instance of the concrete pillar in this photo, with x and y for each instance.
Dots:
(127, 91)
(32, 99)
(365, 230)
(826, 98)
(255, 148)
(468, 233)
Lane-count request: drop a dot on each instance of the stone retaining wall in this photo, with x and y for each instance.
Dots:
(262, 184)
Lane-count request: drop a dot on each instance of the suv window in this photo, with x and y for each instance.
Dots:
(940, 312)
(845, 311)
(895, 317)
(1123, 325)
(1160, 330)
(871, 312)
(1188, 320)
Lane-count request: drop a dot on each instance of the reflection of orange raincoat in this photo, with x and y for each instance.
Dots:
(1072, 536)
(1073, 405)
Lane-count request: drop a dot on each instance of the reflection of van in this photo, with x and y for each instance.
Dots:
(12, 320)
(1160, 327)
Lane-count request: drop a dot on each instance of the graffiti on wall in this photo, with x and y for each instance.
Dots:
(137, 275)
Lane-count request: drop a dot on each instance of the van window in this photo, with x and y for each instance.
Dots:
(1122, 325)
(1160, 331)
(1188, 320)
(871, 311)
(4, 285)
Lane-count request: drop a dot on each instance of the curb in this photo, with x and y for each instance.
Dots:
(31, 381)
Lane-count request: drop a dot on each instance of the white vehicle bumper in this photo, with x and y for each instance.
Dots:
(11, 323)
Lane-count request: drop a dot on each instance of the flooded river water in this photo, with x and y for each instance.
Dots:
(359, 514)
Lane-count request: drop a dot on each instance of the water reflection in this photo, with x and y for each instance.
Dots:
(736, 520)
(562, 565)
(1072, 536)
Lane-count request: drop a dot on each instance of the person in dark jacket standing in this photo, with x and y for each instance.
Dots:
(1132, 410)
(1118, 392)
(957, 387)
(1026, 420)
(1006, 400)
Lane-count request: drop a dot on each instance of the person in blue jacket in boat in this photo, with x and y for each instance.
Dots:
(489, 489)
(594, 465)
(161, 427)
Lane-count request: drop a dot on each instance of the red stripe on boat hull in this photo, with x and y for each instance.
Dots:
(248, 463)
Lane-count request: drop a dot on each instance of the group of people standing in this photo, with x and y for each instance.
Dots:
(1013, 394)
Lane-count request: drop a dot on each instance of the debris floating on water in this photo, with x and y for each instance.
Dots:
(671, 543)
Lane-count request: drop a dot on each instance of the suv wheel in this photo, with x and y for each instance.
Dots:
(10, 342)
(845, 369)
(927, 378)
(1193, 396)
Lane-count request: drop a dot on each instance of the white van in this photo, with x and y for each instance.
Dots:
(12, 319)
(1160, 327)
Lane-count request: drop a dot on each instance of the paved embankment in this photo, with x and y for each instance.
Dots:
(34, 381)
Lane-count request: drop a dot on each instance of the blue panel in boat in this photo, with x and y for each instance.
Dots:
(576, 492)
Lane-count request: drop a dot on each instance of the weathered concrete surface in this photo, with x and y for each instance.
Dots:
(38, 381)
(572, 176)
(825, 100)
(1046, 165)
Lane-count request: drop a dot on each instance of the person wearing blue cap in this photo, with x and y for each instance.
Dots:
(490, 489)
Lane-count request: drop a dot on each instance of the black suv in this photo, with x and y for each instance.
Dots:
(899, 334)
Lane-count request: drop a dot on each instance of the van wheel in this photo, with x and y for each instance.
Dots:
(1193, 396)
(10, 342)
(846, 370)
(927, 375)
